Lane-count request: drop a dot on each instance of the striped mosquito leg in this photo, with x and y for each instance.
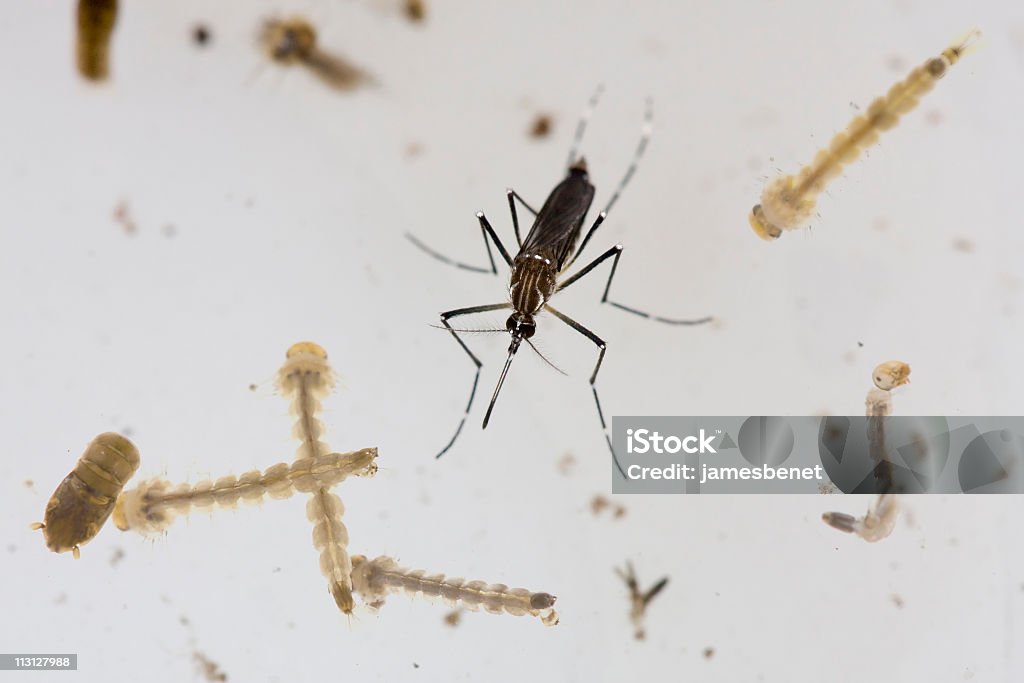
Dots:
(374, 579)
(880, 519)
(152, 506)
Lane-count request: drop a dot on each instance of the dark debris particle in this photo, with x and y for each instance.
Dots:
(709, 652)
(201, 35)
(415, 10)
(541, 126)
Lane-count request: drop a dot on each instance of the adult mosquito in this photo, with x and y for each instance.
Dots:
(549, 249)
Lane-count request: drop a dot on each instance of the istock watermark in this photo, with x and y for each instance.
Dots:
(645, 441)
(851, 454)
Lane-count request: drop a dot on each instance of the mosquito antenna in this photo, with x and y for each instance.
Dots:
(501, 380)
(588, 111)
(495, 329)
(544, 358)
(641, 147)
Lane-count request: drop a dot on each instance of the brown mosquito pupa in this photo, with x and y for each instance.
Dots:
(85, 498)
(294, 41)
(880, 519)
(305, 378)
(639, 600)
(375, 579)
(96, 19)
(788, 202)
(153, 505)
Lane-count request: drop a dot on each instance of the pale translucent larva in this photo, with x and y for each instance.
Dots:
(305, 378)
(788, 202)
(82, 502)
(294, 41)
(880, 519)
(375, 579)
(96, 19)
(638, 599)
(153, 505)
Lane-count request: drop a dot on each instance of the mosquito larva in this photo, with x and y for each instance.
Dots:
(305, 378)
(639, 600)
(153, 505)
(82, 502)
(788, 202)
(96, 19)
(374, 579)
(880, 519)
(876, 524)
(294, 41)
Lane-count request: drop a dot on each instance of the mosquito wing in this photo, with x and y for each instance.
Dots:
(556, 231)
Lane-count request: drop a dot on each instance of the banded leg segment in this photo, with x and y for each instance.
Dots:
(488, 234)
(616, 251)
(600, 344)
(445, 317)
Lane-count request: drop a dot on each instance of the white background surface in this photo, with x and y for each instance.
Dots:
(289, 202)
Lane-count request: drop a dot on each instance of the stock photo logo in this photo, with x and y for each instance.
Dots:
(851, 454)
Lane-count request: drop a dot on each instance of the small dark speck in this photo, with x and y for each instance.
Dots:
(415, 665)
(860, 344)
(116, 556)
(127, 431)
(416, 10)
(201, 35)
(183, 620)
(252, 387)
(276, 570)
(897, 600)
(709, 652)
(541, 126)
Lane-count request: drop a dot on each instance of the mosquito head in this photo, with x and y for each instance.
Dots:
(520, 327)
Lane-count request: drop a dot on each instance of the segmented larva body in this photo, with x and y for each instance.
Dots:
(153, 505)
(293, 41)
(96, 19)
(85, 498)
(880, 519)
(788, 202)
(374, 579)
(305, 378)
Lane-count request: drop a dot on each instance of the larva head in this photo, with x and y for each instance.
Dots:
(891, 374)
(288, 41)
(762, 228)
(306, 361)
(782, 207)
